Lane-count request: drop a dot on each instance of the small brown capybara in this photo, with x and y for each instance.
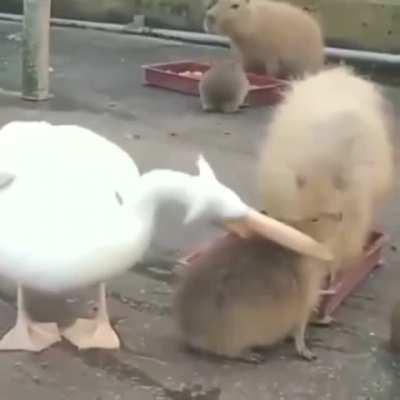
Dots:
(224, 87)
(252, 293)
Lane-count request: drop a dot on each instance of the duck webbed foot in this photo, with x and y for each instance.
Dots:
(28, 335)
(94, 333)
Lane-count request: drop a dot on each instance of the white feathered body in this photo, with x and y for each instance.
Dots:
(66, 224)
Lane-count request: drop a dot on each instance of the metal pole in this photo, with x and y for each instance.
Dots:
(35, 50)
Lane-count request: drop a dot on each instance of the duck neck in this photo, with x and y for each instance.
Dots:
(162, 187)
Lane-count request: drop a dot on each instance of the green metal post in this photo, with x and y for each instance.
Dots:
(35, 50)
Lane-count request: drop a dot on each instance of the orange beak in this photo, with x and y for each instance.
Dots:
(285, 235)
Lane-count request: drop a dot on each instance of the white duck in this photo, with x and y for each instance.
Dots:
(74, 212)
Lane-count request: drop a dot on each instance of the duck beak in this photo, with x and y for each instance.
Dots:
(271, 229)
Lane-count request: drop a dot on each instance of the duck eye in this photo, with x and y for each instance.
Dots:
(235, 6)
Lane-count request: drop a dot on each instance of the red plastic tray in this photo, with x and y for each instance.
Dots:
(342, 287)
(269, 90)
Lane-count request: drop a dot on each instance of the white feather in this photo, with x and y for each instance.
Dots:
(77, 212)
(61, 224)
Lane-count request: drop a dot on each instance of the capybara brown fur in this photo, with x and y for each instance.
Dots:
(327, 162)
(255, 293)
(224, 87)
(270, 37)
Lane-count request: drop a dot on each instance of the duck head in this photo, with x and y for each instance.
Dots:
(217, 203)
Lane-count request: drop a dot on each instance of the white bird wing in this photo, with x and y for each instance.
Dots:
(65, 223)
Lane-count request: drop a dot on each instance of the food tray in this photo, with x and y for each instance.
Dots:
(265, 90)
(342, 287)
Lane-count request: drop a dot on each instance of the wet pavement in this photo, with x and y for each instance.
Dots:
(97, 83)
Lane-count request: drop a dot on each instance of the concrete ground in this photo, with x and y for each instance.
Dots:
(96, 82)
